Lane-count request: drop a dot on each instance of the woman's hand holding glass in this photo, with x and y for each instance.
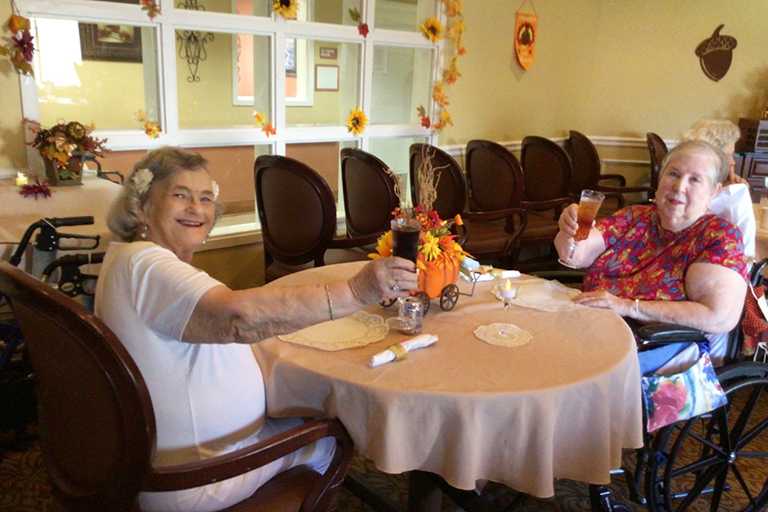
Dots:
(376, 281)
(576, 221)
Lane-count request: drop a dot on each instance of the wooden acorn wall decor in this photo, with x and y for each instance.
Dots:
(715, 54)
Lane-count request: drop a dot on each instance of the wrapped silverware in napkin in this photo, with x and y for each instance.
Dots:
(399, 350)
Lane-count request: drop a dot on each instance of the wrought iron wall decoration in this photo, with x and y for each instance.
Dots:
(192, 48)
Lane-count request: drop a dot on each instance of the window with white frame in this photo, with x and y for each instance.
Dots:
(203, 67)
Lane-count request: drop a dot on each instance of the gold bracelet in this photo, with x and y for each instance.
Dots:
(399, 351)
(330, 302)
(637, 308)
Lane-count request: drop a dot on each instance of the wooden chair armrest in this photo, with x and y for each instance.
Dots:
(618, 177)
(222, 467)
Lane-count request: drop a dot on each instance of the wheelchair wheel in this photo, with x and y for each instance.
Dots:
(714, 461)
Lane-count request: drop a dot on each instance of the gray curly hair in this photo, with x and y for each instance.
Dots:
(123, 216)
(718, 172)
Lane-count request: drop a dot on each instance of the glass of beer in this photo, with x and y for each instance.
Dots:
(588, 207)
(406, 232)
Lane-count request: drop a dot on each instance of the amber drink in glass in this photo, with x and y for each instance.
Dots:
(589, 205)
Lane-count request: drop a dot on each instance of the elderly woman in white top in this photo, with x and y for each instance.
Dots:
(733, 202)
(189, 333)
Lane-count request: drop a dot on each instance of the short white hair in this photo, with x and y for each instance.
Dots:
(718, 132)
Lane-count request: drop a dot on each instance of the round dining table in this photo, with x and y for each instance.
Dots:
(564, 405)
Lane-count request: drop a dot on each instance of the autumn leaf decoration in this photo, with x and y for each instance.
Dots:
(151, 7)
(453, 35)
(261, 120)
(151, 128)
(21, 51)
(362, 28)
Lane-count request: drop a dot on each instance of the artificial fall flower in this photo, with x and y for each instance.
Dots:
(451, 74)
(453, 7)
(457, 219)
(432, 29)
(383, 246)
(259, 118)
(142, 179)
(152, 130)
(425, 122)
(430, 246)
(288, 9)
(461, 50)
(445, 118)
(151, 7)
(357, 122)
(24, 45)
(18, 23)
(268, 129)
(455, 30)
(362, 29)
(439, 96)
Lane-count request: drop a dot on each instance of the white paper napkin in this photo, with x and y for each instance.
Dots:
(505, 274)
(420, 341)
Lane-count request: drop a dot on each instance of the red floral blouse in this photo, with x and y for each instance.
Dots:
(644, 261)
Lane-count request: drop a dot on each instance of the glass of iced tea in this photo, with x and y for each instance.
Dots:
(588, 207)
(406, 232)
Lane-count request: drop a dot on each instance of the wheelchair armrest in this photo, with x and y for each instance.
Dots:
(656, 335)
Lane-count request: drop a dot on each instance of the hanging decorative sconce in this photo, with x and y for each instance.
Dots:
(192, 48)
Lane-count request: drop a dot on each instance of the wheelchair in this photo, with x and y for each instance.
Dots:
(16, 375)
(709, 461)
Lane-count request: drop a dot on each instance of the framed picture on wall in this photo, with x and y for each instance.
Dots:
(110, 42)
(326, 78)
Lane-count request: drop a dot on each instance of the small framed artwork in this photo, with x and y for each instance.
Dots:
(110, 42)
(326, 78)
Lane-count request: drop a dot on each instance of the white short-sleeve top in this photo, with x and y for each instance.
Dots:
(208, 398)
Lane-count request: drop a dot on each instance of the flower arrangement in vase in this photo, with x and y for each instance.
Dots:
(439, 254)
(59, 146)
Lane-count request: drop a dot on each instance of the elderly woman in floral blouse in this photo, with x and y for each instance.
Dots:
(671, 261)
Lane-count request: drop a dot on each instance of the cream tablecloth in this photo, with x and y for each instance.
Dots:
(562, 406)
(94, 198)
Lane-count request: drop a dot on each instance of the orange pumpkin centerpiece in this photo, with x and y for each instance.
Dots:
(439, 254)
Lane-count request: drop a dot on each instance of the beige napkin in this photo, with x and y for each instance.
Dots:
(420, 341)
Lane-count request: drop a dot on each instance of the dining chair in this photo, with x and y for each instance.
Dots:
(491, 234)
(297, 212)
(658, 150)
(97, 426)
(587, 173)
(547, 174)
(369, 193)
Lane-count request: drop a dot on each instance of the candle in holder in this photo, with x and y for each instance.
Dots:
(21, 179)
(508, 291)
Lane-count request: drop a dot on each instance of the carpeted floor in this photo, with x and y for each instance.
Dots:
(24, 484)
(24, 487)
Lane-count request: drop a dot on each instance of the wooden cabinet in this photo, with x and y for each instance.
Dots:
(754, 168)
